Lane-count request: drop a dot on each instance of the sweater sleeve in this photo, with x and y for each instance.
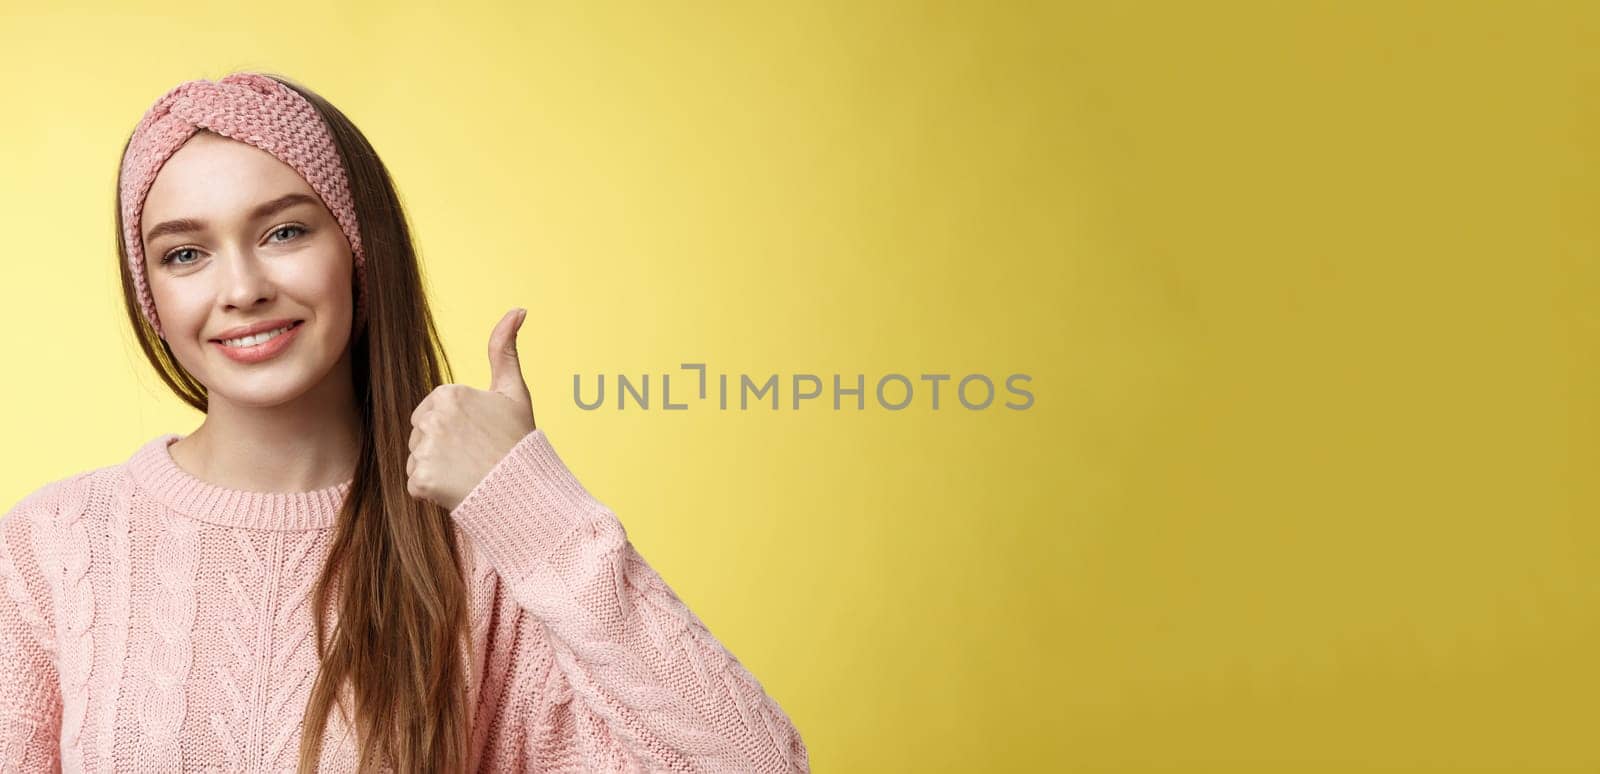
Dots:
(641, 669)
(30, 695)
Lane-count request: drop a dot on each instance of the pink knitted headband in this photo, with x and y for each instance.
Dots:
(250, 108)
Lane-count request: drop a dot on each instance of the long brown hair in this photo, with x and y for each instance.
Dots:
(394, 560)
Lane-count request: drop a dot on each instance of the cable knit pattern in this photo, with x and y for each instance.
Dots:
(154, 622)
(169, 653)
(117, 612)
(30, 696)
(74, 598)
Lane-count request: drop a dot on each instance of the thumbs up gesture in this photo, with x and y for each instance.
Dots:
(459, 433)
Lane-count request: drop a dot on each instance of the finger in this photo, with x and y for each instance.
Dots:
(505, 367)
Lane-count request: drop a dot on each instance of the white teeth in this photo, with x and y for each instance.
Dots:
(252, 340)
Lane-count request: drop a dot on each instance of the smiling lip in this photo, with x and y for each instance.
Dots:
(266, 349)
(246, 330)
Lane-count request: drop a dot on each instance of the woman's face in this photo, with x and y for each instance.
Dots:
(232, 260)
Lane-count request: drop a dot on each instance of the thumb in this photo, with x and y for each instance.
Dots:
(505, 368)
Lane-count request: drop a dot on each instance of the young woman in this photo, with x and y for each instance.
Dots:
(351, 564)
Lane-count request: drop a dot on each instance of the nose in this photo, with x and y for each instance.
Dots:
(245, 282)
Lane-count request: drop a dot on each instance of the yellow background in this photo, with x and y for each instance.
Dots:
(1307, 292)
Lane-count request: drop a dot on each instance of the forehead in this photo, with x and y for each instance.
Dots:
(214, 177)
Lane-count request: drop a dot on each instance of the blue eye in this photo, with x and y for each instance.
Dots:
(166, 259)
(280, 230)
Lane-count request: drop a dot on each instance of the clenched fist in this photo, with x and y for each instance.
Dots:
(459, 433)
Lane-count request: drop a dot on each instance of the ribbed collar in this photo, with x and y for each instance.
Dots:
(154, 469)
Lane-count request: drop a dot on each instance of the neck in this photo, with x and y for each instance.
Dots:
(307, 444)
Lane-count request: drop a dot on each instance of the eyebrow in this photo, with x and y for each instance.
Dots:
(187, 225)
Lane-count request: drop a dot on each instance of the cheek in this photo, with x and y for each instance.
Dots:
(321, 285)
(325, 282)
(180, 305)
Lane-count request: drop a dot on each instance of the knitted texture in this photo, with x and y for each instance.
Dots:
(250, 108)
(153, 622)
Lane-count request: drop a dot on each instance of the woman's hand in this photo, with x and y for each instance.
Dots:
(459, 433)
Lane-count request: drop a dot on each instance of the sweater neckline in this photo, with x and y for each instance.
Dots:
(154, 468)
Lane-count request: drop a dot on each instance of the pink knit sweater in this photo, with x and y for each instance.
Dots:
(153, 622)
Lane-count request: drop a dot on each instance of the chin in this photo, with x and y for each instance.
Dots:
(265, 384)
(260, 395)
